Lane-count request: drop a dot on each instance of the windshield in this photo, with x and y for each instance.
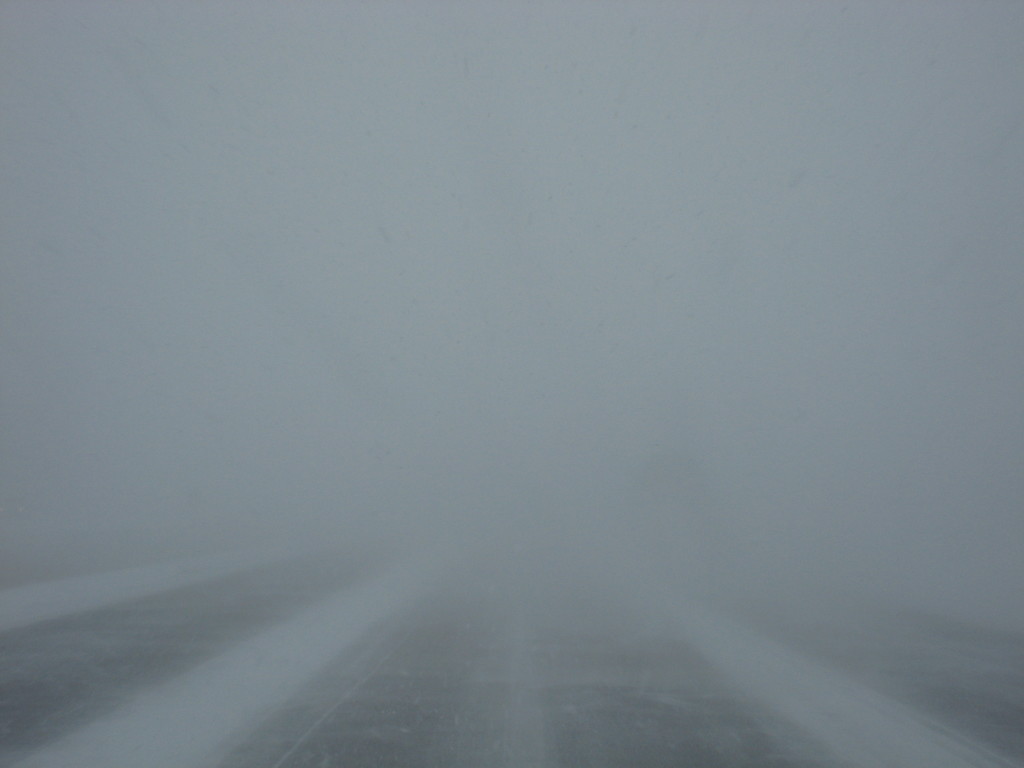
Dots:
(562, 384)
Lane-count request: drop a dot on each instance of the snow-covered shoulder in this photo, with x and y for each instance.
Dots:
(859, 726)
(189, 720)
(32, 603)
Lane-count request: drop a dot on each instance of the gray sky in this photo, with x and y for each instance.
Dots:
(734, 287)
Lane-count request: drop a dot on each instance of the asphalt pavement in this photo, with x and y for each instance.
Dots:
(472, 675)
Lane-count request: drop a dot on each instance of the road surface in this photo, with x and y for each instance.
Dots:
(328, 661)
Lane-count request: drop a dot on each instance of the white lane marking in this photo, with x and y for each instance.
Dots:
(525, 743)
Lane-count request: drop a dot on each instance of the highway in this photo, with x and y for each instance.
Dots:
(311, 662)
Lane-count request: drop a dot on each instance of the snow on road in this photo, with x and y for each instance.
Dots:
(859, 726)
(32, 603)
(190, 720)
(524, 728)
(198, 717)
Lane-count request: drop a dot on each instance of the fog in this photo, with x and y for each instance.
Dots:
(722, 297)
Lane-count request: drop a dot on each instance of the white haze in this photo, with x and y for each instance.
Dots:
(726, 295)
